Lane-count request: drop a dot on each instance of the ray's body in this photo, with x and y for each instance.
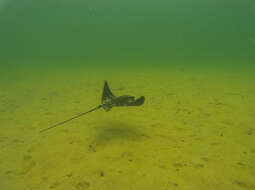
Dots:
(108, 101)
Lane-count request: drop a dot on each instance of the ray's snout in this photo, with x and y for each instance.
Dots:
(139, 101)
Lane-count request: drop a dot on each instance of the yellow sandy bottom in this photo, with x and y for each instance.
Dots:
(195, 131)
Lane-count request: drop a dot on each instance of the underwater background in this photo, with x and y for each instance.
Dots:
(193, 60)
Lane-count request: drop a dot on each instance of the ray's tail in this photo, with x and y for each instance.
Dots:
(62, 122)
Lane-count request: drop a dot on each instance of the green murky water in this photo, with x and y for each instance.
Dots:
(192, 60)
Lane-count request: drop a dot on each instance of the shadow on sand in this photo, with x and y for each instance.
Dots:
(116, 133)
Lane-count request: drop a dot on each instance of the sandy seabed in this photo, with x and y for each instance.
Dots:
(195, 131)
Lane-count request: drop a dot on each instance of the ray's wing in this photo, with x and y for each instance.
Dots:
(107, 94)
